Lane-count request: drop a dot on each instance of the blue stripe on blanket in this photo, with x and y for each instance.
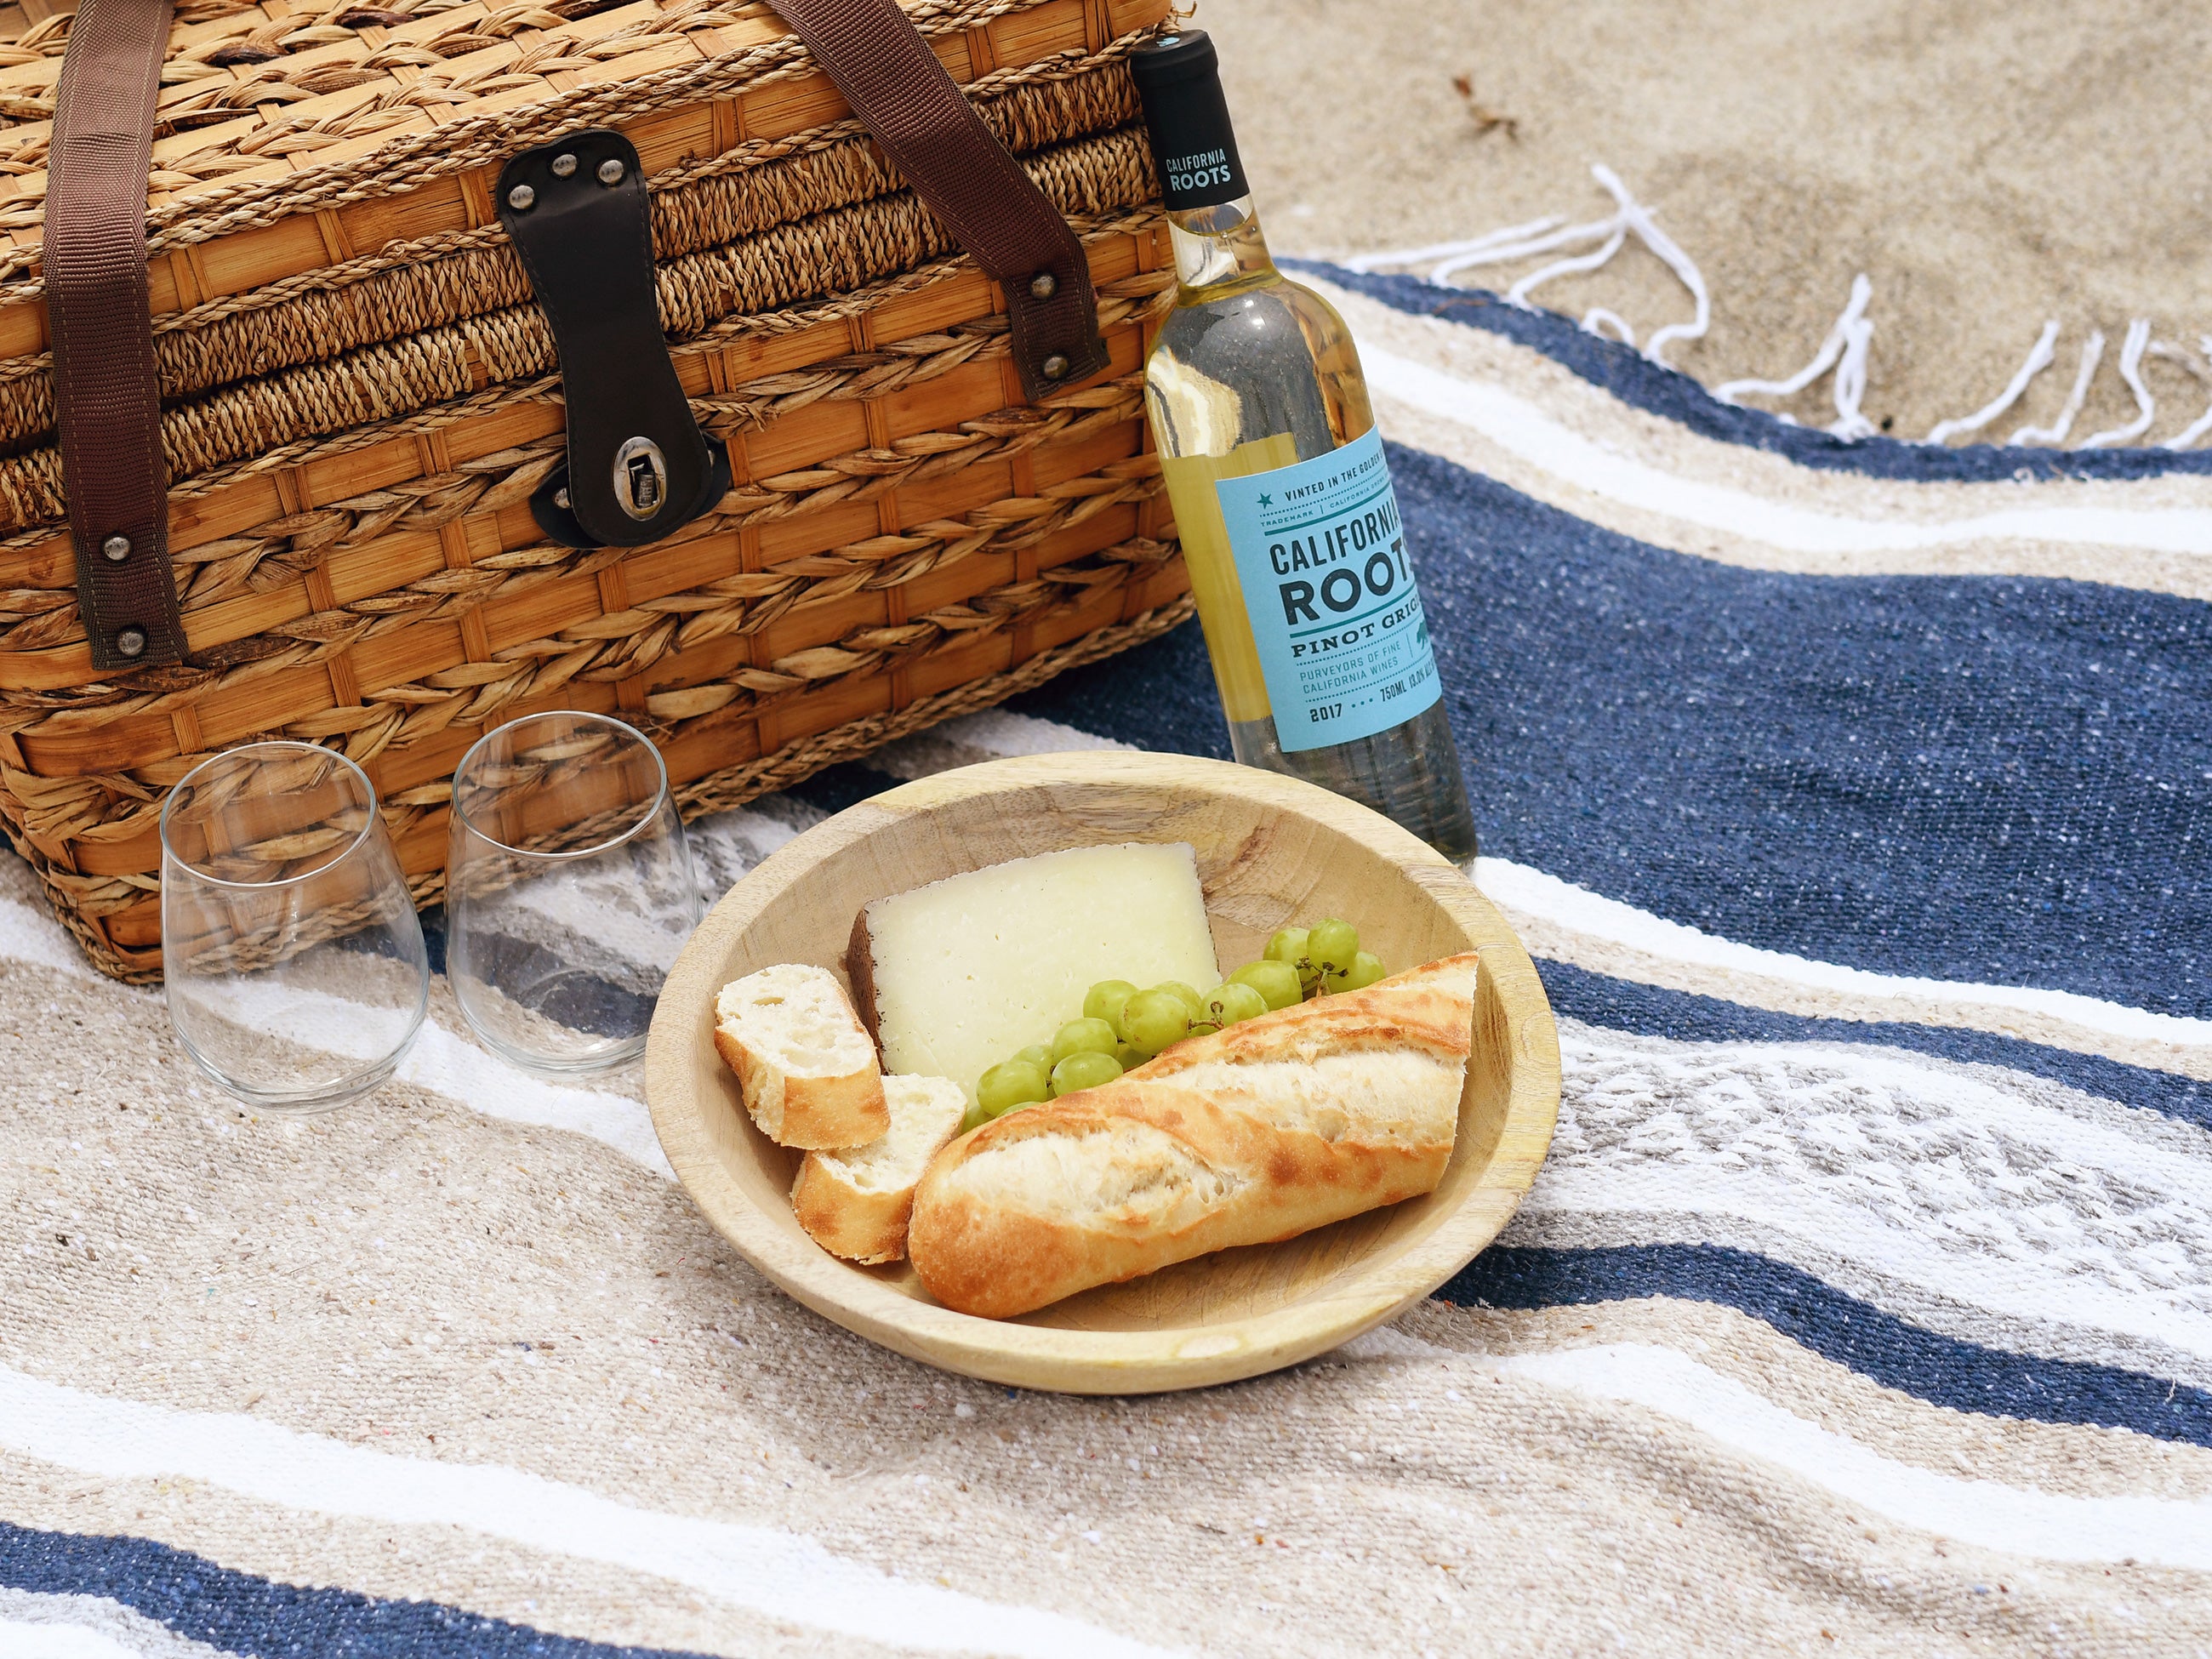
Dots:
(1622, 1005)
(1993, 780)
(1635, 380)
(1941, 1370)
(239, 1612)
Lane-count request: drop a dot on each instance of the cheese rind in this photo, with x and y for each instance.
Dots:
(954, 977)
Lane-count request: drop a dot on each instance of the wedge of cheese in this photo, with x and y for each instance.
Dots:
(954, 977)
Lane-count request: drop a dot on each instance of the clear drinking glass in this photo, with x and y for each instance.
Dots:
(293, 961)
(568, 889)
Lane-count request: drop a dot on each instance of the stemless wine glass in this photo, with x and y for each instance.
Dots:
(293, 961)
(568, 889)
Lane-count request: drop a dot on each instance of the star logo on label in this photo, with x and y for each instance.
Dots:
(1267, 500)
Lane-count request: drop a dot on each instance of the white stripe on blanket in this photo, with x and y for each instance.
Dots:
(25, 1641)
(35, 1627)
(779, 1574)
(2019, 1520)
(447, 1064)
(1527, 433)
(441, 1061)
(2000, 1208)
(451, 1065)
(1994, 1515)
(1518, 888)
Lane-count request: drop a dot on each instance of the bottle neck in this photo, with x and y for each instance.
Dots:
(1219, 247)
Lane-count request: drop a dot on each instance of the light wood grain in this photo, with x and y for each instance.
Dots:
(1271, 851)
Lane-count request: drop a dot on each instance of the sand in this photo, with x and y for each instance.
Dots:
(1988, 165)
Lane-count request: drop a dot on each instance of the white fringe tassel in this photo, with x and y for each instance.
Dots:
(2038, 359)
(1518, 293)
(2131, 357)
(1416, 256)
(2093, 353)
(1549, 235)
(2203, 424)
(1597, 319)
(1845, 350)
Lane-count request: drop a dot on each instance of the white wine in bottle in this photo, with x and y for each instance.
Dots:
(1282, 493)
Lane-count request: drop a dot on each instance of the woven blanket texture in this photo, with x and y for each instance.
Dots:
(1853, 799)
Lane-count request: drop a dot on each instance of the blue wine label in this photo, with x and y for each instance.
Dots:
(1321, 554)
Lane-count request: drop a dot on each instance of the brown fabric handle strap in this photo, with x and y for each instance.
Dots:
(107, 396)
(956, 164)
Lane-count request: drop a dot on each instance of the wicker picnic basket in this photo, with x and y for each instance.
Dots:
(361, 403)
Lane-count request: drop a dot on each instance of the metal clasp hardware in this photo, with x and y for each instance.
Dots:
(638, 466)
(641, 478)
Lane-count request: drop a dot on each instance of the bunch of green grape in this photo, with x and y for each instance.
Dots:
(1326, 957)
(1122, 1027)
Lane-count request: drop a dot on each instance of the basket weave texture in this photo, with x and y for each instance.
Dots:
(360, 395)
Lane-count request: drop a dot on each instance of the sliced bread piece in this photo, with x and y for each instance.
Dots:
(855, 1203)
(807, 1069)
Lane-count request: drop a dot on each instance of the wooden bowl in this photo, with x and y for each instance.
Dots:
(1270, 849)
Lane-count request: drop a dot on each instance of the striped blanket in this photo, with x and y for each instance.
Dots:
(1854, 799)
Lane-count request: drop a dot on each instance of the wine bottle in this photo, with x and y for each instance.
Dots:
(1282, 492)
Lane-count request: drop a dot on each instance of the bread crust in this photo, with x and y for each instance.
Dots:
(855, 1203)
(809, 1113)
(981, 1254)
(869, 1228)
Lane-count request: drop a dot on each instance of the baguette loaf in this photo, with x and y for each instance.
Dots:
(807, 1069)
(1251, 1134)
(855, 1204)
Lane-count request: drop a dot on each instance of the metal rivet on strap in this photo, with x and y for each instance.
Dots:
(132, 641)
(564, 167)
(1053, 366)
(521, 198)
(117, 548)
(1043, 285)
(610, 171)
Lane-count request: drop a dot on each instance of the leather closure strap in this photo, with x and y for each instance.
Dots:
(638, 468)
(932, 135)
(105, 390)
